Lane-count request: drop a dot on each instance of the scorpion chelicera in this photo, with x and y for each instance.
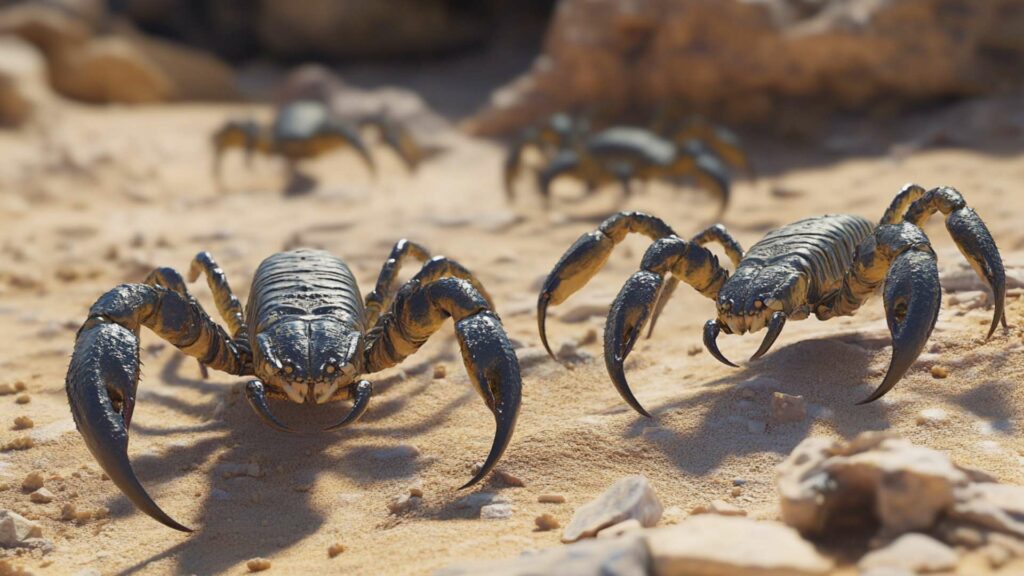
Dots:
(828, 266)
(306, 335)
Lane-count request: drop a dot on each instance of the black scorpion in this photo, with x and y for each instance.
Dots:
(827, 266)
(306, 335)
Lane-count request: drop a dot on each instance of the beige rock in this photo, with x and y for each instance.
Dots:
(630, 497)
(616, 530)
(723, 508)
(712, 545)
(912, 552)
(621, 556)
(551, 499)
(546, 522)
(109, 69)
(192, 74)
(49, 30)
(33, 481)
(993, 506)
(23, 81)
(41, 496)
(258, 564)
(15, 529)
(902, 486)
(787, 408)
(496, 511)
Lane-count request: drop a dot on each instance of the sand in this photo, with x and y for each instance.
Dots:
(104, 195)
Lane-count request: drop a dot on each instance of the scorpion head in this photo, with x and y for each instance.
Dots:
(755, 298)
(309, 361)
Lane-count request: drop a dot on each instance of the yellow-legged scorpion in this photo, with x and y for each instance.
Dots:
(828, 266)
(306, 335)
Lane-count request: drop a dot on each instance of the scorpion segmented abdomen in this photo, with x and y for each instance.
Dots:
(306, 283)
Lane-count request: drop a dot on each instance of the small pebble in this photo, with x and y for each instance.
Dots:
(440, 371)
(736, 491)
(23, 423)
(20, 443)
(403, 504)
(546, 522)
(498, 511)
(23, 399)
(6, 389)
(509, 479)
(932, 416)
(20, 386)
(41, 496)
(551, 499)
(258, 565)
(787, 408)
(416, 489)
(32, 482)
(335, 549)
(68, 511)
(939, 371)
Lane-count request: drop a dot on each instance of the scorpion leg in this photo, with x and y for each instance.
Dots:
(418, 311)
(104, 371)
(397, 138)
(634, 305)
(570, 163)
(337, 134)
(714, 233)
(228, 305)
(380, 299)
(513, 165)
(708, 171)
(587, 255)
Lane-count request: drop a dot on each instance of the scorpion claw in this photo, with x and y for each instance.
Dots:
(361, 392)
(775, 325)
(976, 243)
(494, 370)
(256, 394)
(912, 298)
(101, 387)
(574, 269)
(630, 311)
(712, 328)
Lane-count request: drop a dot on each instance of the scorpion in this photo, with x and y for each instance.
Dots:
(306, 336)
(306, 129)
(623, 153)
(827, 265)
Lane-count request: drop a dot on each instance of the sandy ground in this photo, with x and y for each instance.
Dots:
(103, 196)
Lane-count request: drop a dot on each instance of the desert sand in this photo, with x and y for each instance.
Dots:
(99, 196)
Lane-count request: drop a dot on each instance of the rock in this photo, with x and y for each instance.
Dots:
(723, 508)
(110, 69)
(911, 552)
(16, 530)
(50, 30)
(23, 82)
(401, 451)
(616, 530)
(20, 443)
(229, 470)
(551, 499)
(23, 423)
(335, 549)
(416, 488)
(509, 479)
(23, 399)
(787, 408)
(499, 511)
(619, 557)
(873, 478)
(479, 499)
(932, 417)
(258, 565)
(33, 481)
(403, 503)
(998, 507)
(719, 545)
(940, 372)
(757, 62)
(546, 522)
(630, 497)
(440, 371)
(192, 74)
(41, 496)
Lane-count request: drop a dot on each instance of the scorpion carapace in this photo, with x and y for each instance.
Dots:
(306, 335)
(827, 266)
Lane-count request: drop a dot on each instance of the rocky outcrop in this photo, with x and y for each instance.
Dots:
(629, 498)
(23, 85)
(755, 62)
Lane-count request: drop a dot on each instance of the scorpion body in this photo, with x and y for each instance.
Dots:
(306, 336)
(828, 266)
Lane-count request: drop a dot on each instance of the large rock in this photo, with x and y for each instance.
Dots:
(16, 530)
(49, 29)
(873, 478)
(617, 557)
(109, 69)
(630, 497)
(353, 28)
(23, 84)
(913, 553)
(709, 545)
(998, 507)
(765, 61)
(192, 74)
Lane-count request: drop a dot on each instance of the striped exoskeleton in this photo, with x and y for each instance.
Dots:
(306, 335)
(827, 266)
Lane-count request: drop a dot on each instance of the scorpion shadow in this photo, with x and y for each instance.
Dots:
(284, 514)
(794, 369)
